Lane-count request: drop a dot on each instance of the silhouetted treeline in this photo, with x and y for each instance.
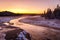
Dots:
(7, 13)
(52, 14)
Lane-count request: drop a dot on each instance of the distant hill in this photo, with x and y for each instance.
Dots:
(8, 13)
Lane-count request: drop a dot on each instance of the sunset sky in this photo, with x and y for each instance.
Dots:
(27, 6)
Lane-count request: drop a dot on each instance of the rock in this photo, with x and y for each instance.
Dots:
(13, 34)
(24, 36)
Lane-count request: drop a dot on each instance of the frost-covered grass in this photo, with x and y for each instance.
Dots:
(37, 20)
(7, 18)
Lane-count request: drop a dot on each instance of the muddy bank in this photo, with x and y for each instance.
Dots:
(13, 33)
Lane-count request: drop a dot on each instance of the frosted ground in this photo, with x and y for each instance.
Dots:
(37, 26)
(38, 20)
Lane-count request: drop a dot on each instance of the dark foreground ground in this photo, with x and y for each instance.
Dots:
(12, 33)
